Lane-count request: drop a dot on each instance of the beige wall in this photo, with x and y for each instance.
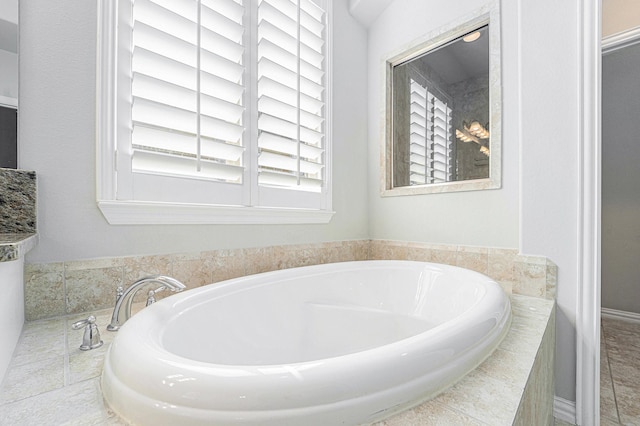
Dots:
(619, 16)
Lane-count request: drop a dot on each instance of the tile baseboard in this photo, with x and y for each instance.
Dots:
(621, 315)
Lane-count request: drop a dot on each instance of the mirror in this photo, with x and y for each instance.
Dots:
(443, 112)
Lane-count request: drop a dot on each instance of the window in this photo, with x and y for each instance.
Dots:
(214, 111)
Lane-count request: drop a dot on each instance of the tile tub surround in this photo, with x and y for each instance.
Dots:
(55, 289)
(517, 274)
(52, 382)
(17, 201)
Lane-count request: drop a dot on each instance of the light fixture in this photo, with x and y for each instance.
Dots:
(477, 130)
(472, 132)
(471, 37)
(465, 137)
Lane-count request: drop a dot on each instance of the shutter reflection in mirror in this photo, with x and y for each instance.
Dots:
(430, 137)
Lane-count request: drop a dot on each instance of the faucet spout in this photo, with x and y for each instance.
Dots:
(122, 310)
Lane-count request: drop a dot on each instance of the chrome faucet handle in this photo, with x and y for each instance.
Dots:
(91, 338)
(119, 292)
(151, 295)
(151, 298)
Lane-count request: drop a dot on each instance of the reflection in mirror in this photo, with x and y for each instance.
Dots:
(441, 113)
(443, 130)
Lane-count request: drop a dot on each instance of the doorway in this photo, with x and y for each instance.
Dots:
(620, 243)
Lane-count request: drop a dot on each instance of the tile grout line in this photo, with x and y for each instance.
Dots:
(457, 410)
(613, 385)
(11, 363)
(67, 370)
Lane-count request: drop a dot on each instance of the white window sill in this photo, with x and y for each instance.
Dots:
(154, 213)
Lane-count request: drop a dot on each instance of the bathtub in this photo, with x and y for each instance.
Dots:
(336, 344)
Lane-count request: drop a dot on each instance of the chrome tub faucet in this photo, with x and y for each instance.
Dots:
(124, 299)
(91, 338)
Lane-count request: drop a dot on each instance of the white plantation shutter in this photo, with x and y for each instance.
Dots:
(291, 97)
(186, 138)
(187, 88)
(430, 137)
(219, 102)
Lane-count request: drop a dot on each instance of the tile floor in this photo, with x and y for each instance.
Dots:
(619, 373)
(50, 382)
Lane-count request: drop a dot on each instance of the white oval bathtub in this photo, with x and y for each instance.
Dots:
(344, 343)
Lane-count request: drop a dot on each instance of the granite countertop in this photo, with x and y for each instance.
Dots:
(15, 246)
(17, 213)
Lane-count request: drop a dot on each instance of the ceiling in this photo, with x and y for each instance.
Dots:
(458, 60)
(366, 11)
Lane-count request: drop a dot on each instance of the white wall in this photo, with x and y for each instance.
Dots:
(8, 55)
(536, 209)
(550, 140)
(487, 218)
(57, 126)
(9, 10)
(8, 76)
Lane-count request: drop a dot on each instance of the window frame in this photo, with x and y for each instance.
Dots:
(122, 212)
(486, 15)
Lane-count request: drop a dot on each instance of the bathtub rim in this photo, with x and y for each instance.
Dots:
(501, 328)
(184, 298)
(339, 411)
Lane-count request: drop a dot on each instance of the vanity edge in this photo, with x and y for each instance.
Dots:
(16, 246)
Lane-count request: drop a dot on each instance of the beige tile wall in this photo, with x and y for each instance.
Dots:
(517, 274)
(55, 289)
(536, 406)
